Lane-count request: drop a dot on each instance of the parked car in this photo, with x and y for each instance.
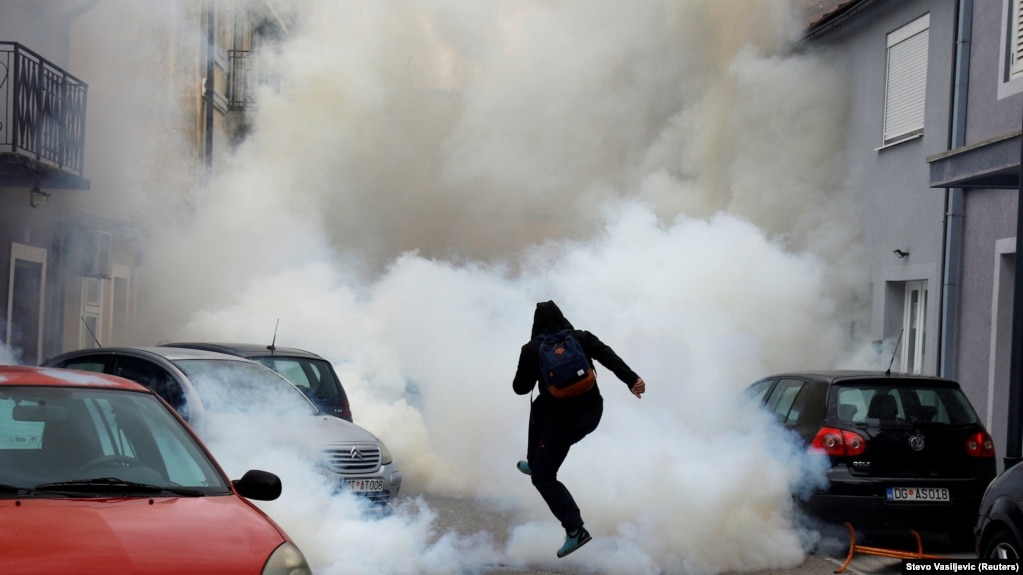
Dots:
(205, 385)
(906, 451)
(311, 373)
(999, 528)
(97, 475)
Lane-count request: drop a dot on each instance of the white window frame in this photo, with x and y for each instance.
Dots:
(914, 319)
(90, 334)
(1010, 83)
(122, 302)
(906, 81)
(1002, 303)
(1015, 45)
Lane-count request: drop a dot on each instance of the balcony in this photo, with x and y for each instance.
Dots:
(42, 122)
(247, 75)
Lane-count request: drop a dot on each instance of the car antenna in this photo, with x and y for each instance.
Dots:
(273, 343)
(889, 370)
(94, 338)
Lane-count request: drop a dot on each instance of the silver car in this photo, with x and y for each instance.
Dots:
(201, 384)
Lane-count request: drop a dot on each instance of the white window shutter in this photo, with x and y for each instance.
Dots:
(906, 86)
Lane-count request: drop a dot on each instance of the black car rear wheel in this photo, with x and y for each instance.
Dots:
(1002, 545)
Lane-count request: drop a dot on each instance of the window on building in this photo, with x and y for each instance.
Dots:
(906, 81)
(26, 289)
(90, 333)
(121, 305)
(914, 314)
(1016, 40)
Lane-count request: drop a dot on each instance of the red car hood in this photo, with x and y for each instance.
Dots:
(221, 534)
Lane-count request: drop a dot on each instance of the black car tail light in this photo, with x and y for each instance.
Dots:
(980, 445)
(839, 442)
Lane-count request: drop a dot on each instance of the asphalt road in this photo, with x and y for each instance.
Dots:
(466, 517)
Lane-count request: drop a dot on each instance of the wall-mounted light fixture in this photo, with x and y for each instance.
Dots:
(900, 254)
(37, 197)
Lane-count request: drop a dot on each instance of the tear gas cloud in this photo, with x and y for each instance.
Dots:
(426, 172)
(8, 357)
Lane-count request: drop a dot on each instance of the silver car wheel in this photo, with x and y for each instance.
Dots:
(1002, 547)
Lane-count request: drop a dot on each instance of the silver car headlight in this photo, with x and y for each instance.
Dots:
(385, 454)
(286, 560)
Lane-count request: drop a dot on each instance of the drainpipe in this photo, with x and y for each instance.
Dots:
(953, 242)
(1014, 427)
(208, 84)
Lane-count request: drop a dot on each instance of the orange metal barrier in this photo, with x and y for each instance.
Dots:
(882, 552)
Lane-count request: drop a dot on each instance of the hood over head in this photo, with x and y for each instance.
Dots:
(548, 318)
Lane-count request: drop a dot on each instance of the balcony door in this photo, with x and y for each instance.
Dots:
(25, 303)
(914, 316)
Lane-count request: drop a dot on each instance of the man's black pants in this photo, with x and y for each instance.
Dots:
(548, 447)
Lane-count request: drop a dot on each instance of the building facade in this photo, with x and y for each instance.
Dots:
(941, 186)
(77, 192)
(895, 57)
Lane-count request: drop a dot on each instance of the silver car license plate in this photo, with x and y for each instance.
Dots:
(370, 485)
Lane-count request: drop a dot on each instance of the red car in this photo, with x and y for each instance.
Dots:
(99, 475)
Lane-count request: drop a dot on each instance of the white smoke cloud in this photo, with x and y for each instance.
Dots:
(452, 332)
(8, 356)
(665, 171)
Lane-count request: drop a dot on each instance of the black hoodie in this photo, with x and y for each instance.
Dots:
(547, 318)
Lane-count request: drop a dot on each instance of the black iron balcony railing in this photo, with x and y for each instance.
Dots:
(42, 110)
(239, 94)
(246, 76)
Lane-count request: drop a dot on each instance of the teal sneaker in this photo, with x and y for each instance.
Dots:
(524, 467)
(574, 542)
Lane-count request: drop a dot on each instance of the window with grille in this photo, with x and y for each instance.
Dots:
(906, 81)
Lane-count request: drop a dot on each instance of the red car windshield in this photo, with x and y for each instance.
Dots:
(66, 435)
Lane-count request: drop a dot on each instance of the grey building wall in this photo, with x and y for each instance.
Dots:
(985, 329)
(900, 210)
(43, 27)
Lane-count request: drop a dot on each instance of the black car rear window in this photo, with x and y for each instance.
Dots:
(314, 377)
(873, 403)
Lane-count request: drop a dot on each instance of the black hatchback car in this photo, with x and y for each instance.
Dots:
(906, 451)
(311, 373)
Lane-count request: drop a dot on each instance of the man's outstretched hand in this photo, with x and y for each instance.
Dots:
(639, 388)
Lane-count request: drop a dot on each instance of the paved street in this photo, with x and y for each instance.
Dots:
(466, 516)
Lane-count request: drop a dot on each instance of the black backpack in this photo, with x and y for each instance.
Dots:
(566, 369)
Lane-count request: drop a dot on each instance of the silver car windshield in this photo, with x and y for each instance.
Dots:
(227, 386)
(60, 442)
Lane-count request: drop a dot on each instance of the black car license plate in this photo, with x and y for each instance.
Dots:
(918, 494)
